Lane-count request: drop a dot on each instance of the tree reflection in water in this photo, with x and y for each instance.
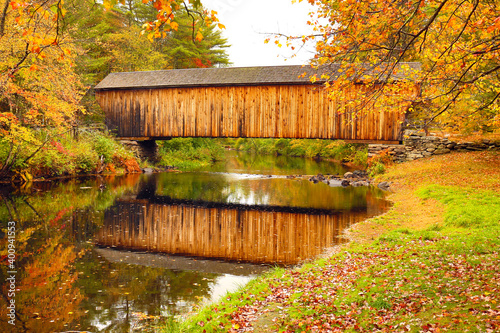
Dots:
(64, 283)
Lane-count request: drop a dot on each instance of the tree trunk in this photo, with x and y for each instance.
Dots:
(3, 17)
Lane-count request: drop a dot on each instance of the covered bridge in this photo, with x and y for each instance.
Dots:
(250, 102)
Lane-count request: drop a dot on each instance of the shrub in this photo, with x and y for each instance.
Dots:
(376, 169)
(65, 155)
(189, 153)
(239, 143)
(377, 164)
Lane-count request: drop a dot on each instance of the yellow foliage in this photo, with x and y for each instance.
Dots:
(455, 41)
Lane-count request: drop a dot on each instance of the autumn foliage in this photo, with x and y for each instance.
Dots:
(457, 43)
(52, 52)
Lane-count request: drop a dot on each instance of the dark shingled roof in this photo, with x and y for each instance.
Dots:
(227, 76)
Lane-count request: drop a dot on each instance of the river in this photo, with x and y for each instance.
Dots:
(117, 253)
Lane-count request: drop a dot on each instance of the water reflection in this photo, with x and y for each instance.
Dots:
(206, 229)
(245, 234)
(243, 162)
(223, 216)
(256, 190)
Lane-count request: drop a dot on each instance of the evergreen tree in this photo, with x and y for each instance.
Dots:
(184, 51)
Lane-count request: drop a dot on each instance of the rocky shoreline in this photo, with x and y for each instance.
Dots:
(355, 178)
(417, 145)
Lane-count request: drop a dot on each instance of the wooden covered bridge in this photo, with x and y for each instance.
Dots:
(250, 102)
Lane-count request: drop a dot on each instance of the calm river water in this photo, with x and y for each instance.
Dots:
(114, 253)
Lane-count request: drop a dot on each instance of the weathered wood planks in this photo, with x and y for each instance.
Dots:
(231, 234)
(277, 111)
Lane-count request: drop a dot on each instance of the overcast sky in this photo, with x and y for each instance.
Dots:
(248, 21)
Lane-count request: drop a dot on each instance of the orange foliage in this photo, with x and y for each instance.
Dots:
(165, 18)
(383, 157)
(130, 165)
(110, 167)
(455, 41)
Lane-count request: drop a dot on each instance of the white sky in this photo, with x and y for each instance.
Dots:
(248, 21)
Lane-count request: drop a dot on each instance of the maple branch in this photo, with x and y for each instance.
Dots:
(188, 12)
(457, 82)
(497, 96)
(466, 23)
(59, 14)
(447, 106)
(49, 137)
(16, 67)
(424, 29)
(483, 74)
(32, 15)
(3, 18)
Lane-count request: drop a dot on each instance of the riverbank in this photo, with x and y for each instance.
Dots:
(89, 152)
(95, 152)
(354, 155)
(430, 264)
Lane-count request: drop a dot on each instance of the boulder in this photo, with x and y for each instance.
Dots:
(360, 173)
(384, 186)
(441, 151)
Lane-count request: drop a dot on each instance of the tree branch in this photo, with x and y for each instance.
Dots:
(3, 18)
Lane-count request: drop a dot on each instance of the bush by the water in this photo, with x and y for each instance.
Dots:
(66, 155)
(378, 164)
(190, 153)
(336, 149)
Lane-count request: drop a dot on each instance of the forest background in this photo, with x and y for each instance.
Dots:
(52, 52)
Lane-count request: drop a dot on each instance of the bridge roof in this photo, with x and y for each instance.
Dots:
(227, 76)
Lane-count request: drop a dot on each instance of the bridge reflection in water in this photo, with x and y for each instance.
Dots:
(256, 234)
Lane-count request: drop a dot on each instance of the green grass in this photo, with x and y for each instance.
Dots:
(190, 153)
(467, 208)
(217, 317)
(441, 275)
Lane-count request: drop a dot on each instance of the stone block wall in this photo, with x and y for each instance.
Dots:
(417, 145)
(144, 150)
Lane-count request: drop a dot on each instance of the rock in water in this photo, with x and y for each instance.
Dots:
(384, 186)
(345, 182)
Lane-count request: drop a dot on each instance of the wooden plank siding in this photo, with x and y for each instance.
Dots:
(252, 111)
(240, 235)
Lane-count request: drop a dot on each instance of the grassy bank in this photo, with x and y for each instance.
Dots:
(63, 155)
(189, 153)
(328, 149)
(430, 264)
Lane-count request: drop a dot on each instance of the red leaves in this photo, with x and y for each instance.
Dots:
(199, 63)
(391, 289)
(16, 4)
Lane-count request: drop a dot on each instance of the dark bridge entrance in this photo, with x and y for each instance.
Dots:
(251, 102)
